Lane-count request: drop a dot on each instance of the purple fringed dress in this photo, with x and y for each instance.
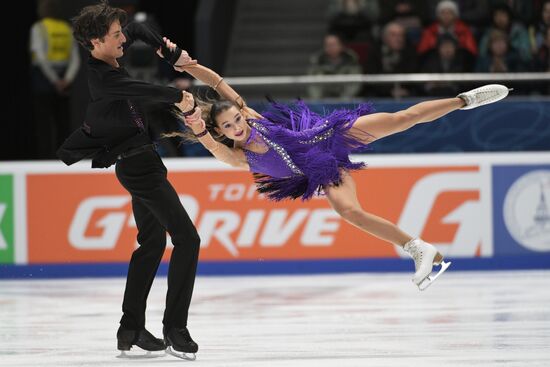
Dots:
(305, 151)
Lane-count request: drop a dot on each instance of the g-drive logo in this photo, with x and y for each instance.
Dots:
(467, 215)
(267, 227)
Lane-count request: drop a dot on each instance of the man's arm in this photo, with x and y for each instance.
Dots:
(116, 85)
(138, 31)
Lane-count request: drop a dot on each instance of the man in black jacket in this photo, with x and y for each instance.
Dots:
(116, 130)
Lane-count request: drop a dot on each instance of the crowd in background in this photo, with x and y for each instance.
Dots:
(432, 36)
(364, 37)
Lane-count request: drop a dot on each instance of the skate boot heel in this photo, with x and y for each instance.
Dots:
(425, 256)
(121, 345)
(438, 259)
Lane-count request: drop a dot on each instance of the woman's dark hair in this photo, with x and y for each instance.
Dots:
(210, 108)
(94, 21)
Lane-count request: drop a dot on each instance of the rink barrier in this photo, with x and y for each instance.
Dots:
(289, 267)
(483, 211)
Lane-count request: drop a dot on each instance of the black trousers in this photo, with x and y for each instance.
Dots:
(157, 210)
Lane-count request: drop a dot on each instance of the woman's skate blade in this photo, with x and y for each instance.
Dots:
(141, 354)
(182, 355)
(424, 284)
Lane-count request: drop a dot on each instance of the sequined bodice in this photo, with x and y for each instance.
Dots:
(274, 162)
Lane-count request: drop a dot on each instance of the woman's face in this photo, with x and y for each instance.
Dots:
(232, 124)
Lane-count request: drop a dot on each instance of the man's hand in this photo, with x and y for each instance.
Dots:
(184, 59)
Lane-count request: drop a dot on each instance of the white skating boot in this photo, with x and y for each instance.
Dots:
(425, 256)
(483, 95)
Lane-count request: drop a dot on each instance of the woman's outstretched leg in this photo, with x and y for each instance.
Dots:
(343, 199)
(375, 126)
(378, 125)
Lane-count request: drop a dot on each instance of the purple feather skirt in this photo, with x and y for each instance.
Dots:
(306, 152)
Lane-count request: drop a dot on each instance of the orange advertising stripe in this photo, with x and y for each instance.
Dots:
(88, 218)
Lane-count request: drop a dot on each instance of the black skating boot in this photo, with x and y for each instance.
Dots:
(179, 343)
(142, 338)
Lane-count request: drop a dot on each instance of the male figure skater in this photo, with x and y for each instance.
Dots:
(116, 131)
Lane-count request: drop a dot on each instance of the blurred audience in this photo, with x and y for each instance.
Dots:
(523, 10)
(448, 23)
(55, 63)
(411, 14)
(334, 59)
(448, 59)
(518, 38)
(351, 22)
(475, 13)
(500, 57)
(394, 55)
(537, 31)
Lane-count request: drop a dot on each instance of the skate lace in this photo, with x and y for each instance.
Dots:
(485, 94)
(416, 254)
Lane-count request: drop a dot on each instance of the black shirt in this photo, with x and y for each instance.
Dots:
(116, 118)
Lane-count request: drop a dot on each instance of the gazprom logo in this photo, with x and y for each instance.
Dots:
(527, 210)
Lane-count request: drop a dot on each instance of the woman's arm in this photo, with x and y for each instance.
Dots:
(233, 156)
(216, 82)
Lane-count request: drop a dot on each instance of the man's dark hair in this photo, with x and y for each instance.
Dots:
(94, 21)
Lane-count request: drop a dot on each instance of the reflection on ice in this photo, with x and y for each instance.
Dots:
(467, 319)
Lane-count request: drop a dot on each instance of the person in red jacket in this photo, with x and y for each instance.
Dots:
(448, 23)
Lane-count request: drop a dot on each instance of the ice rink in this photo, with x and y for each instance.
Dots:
(464, 319)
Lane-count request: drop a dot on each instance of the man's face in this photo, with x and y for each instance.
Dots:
(111, 44)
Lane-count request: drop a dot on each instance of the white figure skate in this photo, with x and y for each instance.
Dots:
(425, 256)
(483, 95)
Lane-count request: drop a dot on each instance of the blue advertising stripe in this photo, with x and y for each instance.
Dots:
(541, 261)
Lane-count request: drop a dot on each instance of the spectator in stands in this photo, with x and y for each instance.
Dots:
(475, 13)
(448, 22)
(501, 58)
(523, 10)
(542, 63)
(334, 59)
(518, 38)
(351, 22)
(448, 59)
(542, 60)
(394, 55)
(409, 13)
(55, 63)
(537, 31)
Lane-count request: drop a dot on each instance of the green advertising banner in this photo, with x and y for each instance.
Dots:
(6, 220)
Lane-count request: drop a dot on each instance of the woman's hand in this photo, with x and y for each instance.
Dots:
(195, 121)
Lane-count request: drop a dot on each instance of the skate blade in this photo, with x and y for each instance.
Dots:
(141, 354)
(424, 284)
(182, 355)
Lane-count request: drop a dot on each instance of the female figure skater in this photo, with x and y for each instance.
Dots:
(295, 153)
